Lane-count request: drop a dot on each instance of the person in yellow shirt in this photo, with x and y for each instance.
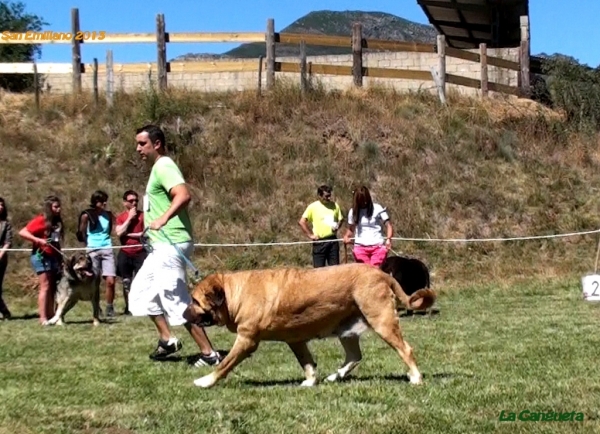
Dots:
(325, 216)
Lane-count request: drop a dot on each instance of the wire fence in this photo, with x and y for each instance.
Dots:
(295, 243)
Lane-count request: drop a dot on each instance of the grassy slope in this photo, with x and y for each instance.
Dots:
(491, 349)
(474, 169)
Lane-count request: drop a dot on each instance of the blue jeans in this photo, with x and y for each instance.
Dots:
(44, 264)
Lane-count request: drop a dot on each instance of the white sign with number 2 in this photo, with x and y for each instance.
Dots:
(591, 287)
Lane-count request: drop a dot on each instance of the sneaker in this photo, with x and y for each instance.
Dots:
(214, 359)
(163, 350)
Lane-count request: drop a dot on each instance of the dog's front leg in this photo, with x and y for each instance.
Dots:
(65, 304)
(242, 348)
(307, 362)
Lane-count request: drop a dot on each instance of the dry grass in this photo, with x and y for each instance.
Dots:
(472, 169)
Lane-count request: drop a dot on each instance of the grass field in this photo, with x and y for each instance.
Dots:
(531, 347)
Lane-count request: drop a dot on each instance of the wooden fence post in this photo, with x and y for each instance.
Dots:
(270, 51)
(36, 86)
(441, 50)
(303, 78)
(109, 78)
(76, 51)
(524, 58)
(357, 54)
(161, 46)
(95, 80)
(484, 69)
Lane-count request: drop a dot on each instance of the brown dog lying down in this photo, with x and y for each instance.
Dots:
(297, 305)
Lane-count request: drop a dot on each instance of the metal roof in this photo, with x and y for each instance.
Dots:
(467, 23)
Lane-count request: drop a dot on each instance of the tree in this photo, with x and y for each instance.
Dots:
(13, 18)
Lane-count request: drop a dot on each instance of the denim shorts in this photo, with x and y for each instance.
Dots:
(44, 264)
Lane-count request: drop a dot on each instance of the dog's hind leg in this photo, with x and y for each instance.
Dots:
(307, 362)
(242, 348)
(382, 318)
(353, 356)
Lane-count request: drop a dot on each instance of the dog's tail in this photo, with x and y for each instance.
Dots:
(421, 300)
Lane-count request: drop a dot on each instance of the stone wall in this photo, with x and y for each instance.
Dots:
(237, 81)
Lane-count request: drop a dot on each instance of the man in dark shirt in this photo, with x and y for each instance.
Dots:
(129, 228)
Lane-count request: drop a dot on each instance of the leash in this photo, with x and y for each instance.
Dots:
(146, 243)
(49, 243)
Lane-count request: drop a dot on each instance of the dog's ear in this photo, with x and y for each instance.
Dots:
(216, 295)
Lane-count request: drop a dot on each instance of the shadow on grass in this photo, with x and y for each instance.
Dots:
(409, 313)
(30, 316)
(351, 379)
(103, 321)
(24, 317)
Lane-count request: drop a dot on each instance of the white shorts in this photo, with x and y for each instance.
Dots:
(160, 286)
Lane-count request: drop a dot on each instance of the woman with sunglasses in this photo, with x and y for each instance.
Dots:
(129, 228)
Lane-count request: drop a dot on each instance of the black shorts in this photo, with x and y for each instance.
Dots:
(128, 265)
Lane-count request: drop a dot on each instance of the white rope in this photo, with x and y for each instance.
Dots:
(295, 243)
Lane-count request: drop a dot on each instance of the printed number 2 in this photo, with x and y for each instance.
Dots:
(595, 284)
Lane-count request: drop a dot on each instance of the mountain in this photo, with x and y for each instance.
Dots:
(376, 25)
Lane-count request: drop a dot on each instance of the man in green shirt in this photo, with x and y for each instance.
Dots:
(159, 289)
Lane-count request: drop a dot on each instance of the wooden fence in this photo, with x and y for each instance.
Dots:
(76, 38)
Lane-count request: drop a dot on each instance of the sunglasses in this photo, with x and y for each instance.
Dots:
(132, 200)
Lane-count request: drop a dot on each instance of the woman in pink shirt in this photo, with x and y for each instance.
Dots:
(370, 246)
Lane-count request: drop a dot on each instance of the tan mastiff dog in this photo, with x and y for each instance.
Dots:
(297, 305)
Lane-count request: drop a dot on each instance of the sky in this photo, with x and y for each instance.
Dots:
(556, 26)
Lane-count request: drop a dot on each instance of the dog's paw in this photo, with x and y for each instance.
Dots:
(206, 381)
(309, 382)
(333, 377)
(416, 378)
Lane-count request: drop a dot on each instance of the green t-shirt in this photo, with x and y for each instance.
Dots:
(164, 176)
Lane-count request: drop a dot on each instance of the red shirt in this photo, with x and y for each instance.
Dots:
(37, 227)
(136, 225)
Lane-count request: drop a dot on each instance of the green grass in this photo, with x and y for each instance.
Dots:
(529, 347)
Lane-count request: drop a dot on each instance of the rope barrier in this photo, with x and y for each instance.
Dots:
(294, 243)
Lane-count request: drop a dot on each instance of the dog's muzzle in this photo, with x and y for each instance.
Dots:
(203, 320)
